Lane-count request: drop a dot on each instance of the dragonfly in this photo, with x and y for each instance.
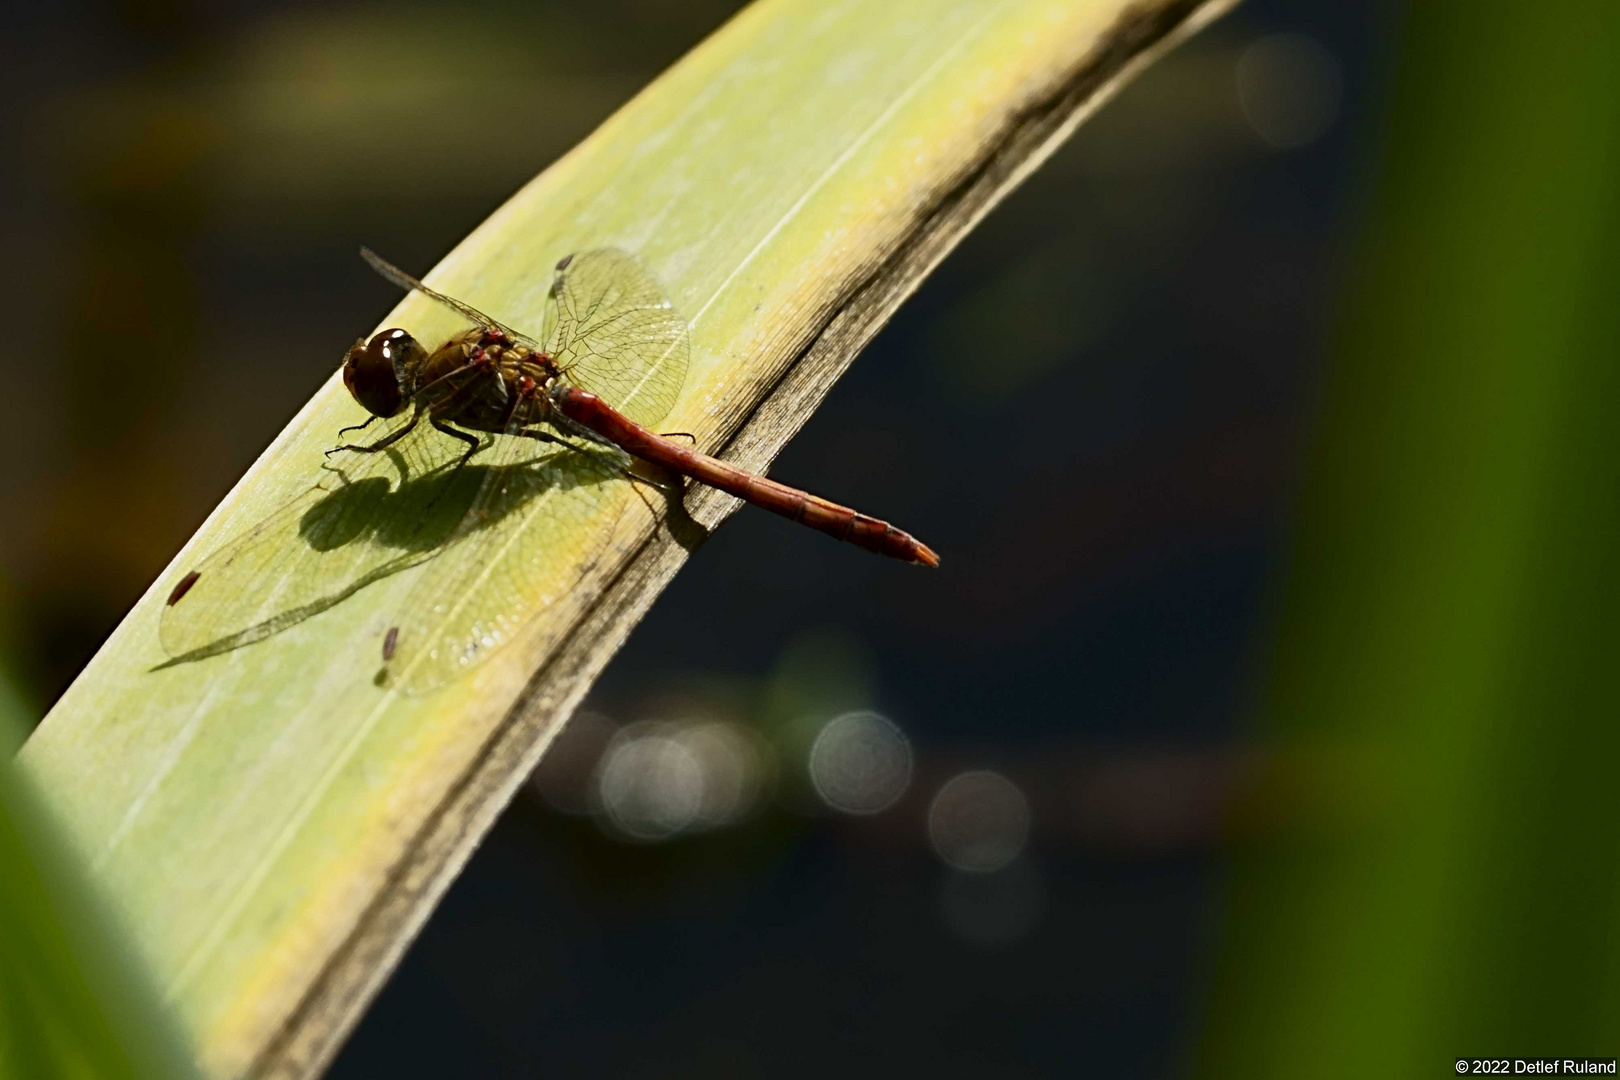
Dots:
(545, 431)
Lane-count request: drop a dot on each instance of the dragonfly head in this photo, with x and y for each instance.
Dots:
(376, 371)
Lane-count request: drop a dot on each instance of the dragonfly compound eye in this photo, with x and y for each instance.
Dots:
(375, 370)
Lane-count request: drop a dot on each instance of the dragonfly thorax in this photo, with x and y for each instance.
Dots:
(482, 380)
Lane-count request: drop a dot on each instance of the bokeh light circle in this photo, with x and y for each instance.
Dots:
(649, 785)
(979, 821)
(658, 779)
(860, 763)
(1289, 87)
(732, 767)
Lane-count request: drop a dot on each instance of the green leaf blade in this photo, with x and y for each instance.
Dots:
(274, 824)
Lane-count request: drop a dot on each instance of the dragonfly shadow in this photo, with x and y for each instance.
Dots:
(681, 526)
(374, 527)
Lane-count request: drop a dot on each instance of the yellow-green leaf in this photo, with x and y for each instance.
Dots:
(273, 823)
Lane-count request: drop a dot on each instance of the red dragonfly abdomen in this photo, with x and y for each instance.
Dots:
(836, 521)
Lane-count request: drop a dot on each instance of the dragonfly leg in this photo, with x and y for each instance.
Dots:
(580, 431)
(636, 478)
(380, 444)
(470, 440)
(632, 477)
(679, 435)
(356, 427)
(541, 436)
(584, 433)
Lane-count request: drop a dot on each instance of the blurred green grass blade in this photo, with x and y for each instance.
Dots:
(274, 825)
(1443, 875)
(72, 1004)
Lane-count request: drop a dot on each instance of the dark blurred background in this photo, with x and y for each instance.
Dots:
(822, 813)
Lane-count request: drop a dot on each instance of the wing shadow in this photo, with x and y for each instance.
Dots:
(417, 520)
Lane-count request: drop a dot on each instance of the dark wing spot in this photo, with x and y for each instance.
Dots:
(562, 263)
(390, 643)
(184, 587)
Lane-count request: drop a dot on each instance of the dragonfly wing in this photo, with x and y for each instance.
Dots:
(369, 516)
(538, 523)
(405, 281)
(615, 333)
